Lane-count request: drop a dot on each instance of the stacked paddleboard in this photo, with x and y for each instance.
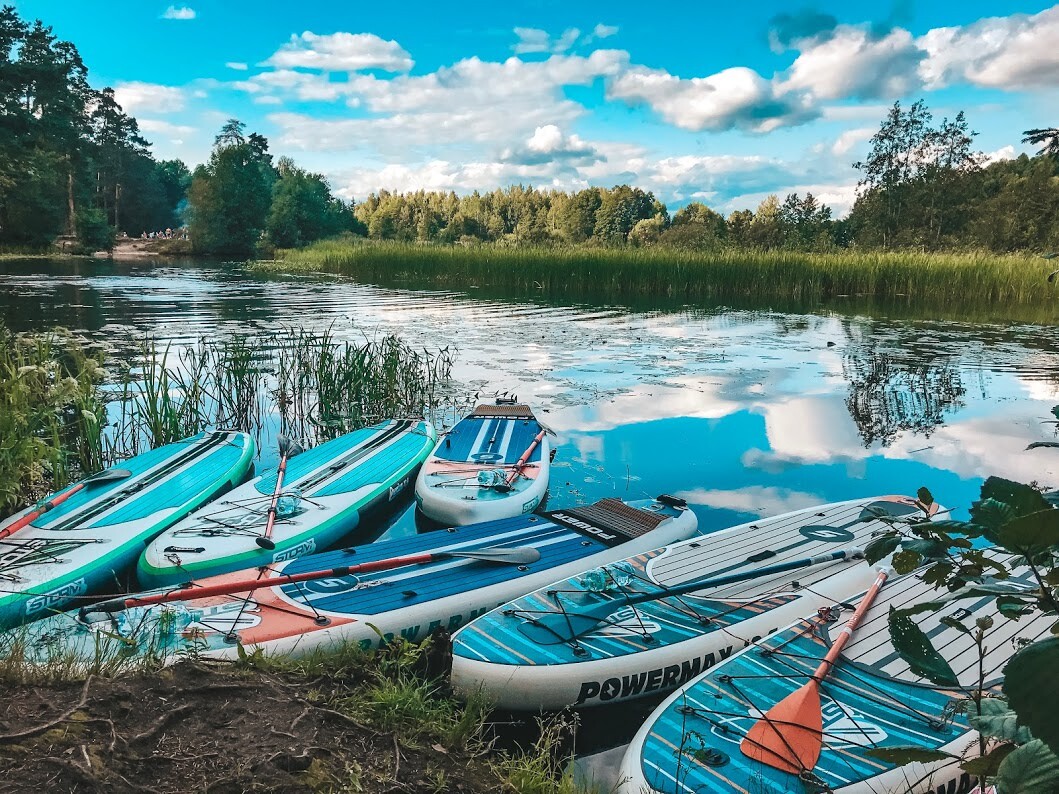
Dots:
(634, 630)
(492, 464)
(325, 493)
(456, 580)
(85, 543)
(694, 741)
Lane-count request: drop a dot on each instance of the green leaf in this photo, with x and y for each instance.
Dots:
(997, 720)
(1012, 607)
(1031, 769)
(953, 623)
(938, 573)
(1035, 531)
(992, 513)
(988, 764)
(1021, 498)
(1039, 444)
(914, 647)
(923, 606)
(925, 496)
(881, 547)
(1029, 683)
(910, 754)
(951, 527)
(906, 561)
(1055, 411)
(929, 549)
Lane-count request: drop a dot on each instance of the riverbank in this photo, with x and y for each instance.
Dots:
(338, 722)
(1013, 285)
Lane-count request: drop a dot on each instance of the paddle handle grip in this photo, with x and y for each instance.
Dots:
(189, 592)
(32, 516)
(851, 625)
(525, 457)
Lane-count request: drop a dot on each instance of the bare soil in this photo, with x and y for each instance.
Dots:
(209, 728)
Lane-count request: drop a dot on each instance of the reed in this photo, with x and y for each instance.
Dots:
(939, 280)
(51, 413)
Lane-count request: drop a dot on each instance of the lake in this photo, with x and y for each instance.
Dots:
(744, 413)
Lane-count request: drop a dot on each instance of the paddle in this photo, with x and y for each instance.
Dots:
(108, 475)
(553, 629)
(519, 555)
(505, 486)
(789, 736)
(287, 450)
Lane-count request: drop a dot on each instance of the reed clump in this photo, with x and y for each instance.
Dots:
(51, 413)
(943, 280)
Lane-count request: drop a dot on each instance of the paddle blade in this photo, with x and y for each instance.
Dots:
(522, 555)
(288, 447)
(790, 735)
(108, 475)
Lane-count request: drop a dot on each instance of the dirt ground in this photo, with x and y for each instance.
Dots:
(200, 728)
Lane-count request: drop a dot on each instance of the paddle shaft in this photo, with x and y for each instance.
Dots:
(851, 625)
(701, 584)
(189, 593)
(521, 464)
(271, 521)
(32, 516)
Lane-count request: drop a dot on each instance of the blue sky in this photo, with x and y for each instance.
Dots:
(722, 103)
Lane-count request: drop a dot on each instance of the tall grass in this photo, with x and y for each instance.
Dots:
(942, 281)
(313, 384)
(51, 413)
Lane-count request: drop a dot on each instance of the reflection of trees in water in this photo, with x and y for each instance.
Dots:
(887, 398)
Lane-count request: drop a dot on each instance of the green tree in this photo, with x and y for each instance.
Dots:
(1046, 137)
(303, 208)
(231, 195)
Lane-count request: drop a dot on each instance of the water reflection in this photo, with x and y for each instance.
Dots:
(743, 412)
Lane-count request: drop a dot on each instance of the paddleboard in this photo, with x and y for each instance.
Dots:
(492, 464)
(326, 491)
(84, 544)
(691, 743)
(534, 652)
(369, 609)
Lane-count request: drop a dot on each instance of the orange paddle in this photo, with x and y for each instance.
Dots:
(790, 735)
(104, 476)
(515, 472)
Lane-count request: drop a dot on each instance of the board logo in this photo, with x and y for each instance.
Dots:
(56, 597)
(339, 584)
(303, 548)
(584, 526)
(827, 534)
(627, 621)
(397, 488)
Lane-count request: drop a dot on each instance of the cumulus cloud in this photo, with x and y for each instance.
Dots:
(136, 97)
(549, 145)
(850, 138)
(178, 13)
(160, 127)
(238, 66)
(752, 499)
(341, 52)
(733, 98)
(602, 31)
(1015, 52)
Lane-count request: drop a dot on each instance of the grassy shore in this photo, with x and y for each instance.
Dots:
(1012, 284)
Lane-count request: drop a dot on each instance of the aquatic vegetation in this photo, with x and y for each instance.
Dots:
(940, 281)
(51, 413)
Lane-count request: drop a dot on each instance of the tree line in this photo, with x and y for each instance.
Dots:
(71, 161)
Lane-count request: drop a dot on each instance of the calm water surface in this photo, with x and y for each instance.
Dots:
(743, 413)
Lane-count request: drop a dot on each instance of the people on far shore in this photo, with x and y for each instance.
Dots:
(167, 234)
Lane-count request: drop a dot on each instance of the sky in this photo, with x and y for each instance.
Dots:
(722, 103)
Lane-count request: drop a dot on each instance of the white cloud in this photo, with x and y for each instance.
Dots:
(341, 52)
(602, 31)
(1003, 153)
(532, 40)
(237, 65)
(1016, 52)
(136, 97)
(735, 97)
(850, 138)
(184, 12)
(160, 127)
